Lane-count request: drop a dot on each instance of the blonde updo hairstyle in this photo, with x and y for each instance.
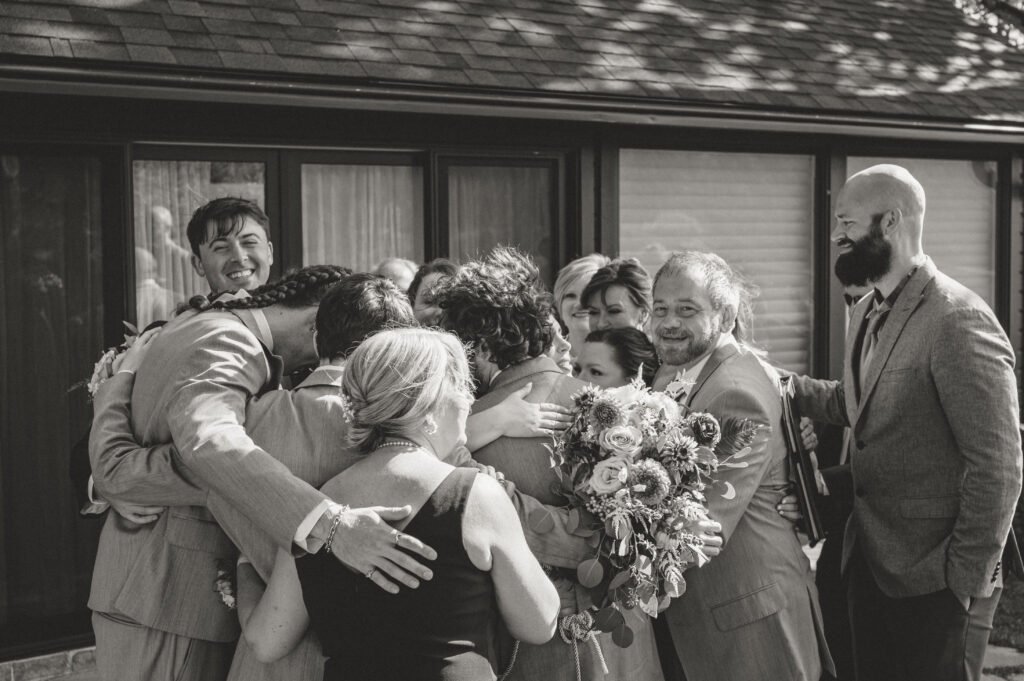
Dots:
(398, 378)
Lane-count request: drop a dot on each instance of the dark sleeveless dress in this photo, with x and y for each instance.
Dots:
(441, 631)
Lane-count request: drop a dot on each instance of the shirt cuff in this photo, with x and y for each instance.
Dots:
(302, 539)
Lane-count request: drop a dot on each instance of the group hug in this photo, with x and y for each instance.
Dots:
(334, 476)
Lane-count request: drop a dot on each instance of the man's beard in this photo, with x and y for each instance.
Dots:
(694, 350)
(868, 260)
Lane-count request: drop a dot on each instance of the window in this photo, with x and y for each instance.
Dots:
(960, 216)
(167, 192)
(754, 210)
(357, 215)
(51, 332)
(511, 202)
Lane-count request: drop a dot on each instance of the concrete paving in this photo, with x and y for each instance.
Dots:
(1000, 656)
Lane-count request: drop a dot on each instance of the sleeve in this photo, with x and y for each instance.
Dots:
(972, 367)
(820, 400)
(126, 471)
(739, 477)
(550, 541)
(205, 415)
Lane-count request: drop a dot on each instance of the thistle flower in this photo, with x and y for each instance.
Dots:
(607, 412)
(705, 429)
(649, 482)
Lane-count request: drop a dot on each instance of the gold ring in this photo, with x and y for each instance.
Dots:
(398, 537)
(369, 574)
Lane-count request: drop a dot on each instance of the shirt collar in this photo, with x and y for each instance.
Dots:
(882, 305)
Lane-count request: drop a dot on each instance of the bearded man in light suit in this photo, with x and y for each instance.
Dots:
(929, 391)
(752, 612)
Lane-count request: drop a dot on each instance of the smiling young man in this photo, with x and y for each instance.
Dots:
(231, 245)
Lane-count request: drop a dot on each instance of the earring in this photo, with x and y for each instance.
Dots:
(430, 426)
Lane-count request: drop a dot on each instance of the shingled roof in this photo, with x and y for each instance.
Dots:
(924, 59)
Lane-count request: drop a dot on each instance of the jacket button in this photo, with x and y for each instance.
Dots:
(861, 492)
(861, 444)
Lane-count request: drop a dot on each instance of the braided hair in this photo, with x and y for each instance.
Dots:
(300, 288)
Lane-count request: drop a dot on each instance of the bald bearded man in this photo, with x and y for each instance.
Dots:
(928, 389)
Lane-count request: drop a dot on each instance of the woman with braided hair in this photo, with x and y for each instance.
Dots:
(156, 613)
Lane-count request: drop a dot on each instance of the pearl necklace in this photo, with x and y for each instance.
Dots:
(398, 443)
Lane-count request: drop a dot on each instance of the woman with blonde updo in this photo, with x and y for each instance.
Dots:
(410, 393)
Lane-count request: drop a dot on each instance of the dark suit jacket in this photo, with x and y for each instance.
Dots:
(935, 453)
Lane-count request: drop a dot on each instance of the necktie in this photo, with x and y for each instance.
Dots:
(867, 347)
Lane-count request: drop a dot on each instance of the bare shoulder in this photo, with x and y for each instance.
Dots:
(489, 516)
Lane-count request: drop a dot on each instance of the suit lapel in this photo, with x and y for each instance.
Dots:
(852, 347)
(907, 302)
(714, 361)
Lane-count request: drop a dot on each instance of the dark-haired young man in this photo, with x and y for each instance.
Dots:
(231, 245)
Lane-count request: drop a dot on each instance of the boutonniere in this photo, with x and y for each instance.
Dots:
(679, 386)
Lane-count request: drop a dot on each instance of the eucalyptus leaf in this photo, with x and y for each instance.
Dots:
(623, 636)
(620, 579)
(608, 619)
(590, 573)
(542, 520)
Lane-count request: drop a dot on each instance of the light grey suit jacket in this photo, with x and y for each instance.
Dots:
(192, 390)
(752, 612)
(935, 451)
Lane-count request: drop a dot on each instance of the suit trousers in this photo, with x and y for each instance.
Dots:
(920, 638)
(128, 651)
(835, 611)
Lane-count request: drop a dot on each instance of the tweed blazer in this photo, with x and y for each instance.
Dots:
(935, 452)
(193, 389)
(752, 612)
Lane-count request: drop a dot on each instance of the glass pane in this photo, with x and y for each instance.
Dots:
(488, 206)
(960, 216)
(754, 210)
(51, 332)
(166, 195)
(357, 215)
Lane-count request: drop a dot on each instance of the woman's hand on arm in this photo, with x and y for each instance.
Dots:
(527, 600)
(131, 359)
(274, 623)
(515, 417)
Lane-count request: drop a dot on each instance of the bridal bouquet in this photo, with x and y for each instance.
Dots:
(634, 469)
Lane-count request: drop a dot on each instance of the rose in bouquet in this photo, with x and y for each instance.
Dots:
(635, 470)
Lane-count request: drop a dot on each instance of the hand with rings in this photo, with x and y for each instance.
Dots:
(367, 544)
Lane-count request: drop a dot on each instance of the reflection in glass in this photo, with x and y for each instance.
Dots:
(166, 195)
(51, 332)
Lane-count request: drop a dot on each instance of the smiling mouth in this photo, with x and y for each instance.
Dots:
(240, 274)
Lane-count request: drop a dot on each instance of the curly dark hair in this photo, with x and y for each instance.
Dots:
(498, 301)
(625, 272)
(358, 307)
(228, 214)
(439, 265)
(631, 348)
(301, 288)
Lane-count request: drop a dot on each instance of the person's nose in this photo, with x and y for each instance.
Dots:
(603, 322)
(837, 233)
(238, 254)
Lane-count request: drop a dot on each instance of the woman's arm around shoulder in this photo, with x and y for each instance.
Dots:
(274, 623)
(493, 537)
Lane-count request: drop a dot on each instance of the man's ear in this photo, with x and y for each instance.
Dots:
(197, 265)
(893, 217)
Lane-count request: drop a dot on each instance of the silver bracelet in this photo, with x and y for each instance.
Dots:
(335, 521)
